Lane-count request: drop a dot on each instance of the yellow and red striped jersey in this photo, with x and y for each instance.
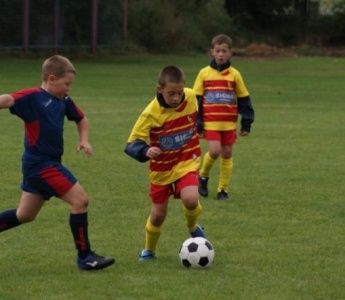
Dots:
(220, 90)
(173, 130)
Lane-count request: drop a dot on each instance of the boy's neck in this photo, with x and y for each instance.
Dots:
(219, 68)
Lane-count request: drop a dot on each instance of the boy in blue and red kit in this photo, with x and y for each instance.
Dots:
(43, 110)
(222, 96)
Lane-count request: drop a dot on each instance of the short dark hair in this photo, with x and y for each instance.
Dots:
(170, 74)
(222, 39)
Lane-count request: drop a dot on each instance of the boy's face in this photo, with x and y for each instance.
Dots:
(172, 93)
(59, 87)
(221, 53)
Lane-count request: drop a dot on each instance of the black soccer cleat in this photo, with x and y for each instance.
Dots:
(223, 195)
(94, 262)
(203, 190)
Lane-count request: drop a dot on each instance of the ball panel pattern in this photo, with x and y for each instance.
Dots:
(196, 253)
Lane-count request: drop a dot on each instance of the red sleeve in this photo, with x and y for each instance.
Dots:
(25, 92)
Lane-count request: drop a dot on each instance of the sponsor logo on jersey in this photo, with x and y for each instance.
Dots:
(175, 141)
(213, 97)
(47, 102)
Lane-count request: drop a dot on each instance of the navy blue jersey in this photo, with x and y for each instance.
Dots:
(43, 116)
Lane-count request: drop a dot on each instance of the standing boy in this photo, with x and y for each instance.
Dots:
(174, 154)
(43, 110)
(221, 95)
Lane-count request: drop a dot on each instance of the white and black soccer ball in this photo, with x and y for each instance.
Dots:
(196, 253)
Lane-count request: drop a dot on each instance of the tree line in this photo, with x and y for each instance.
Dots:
(170, 25)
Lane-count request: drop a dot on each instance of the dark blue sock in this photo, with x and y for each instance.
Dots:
(8, 219)
(79, 224)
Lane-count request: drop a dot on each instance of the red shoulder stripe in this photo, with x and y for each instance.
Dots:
(25, 92)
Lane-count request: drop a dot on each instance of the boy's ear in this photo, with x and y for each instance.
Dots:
(159, 88)
(51, 78)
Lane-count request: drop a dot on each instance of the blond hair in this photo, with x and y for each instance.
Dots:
(58, 66)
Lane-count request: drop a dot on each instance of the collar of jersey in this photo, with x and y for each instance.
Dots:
(162, 102)
(219, 68)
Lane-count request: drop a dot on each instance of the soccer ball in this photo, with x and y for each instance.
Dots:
(197, 253)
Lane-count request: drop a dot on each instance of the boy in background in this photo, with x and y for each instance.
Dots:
(169, 122)
(221, 95)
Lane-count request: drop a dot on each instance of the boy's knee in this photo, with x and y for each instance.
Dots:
(214, 155)
(191, 203)
(25, 218)
(157, 218)
(80, 203)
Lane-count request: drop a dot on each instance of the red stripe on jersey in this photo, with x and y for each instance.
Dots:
(158, 166)
(219, 84)
(168, 160)
(182, 107)
(56, 180)
(25, 92)
(220, 118)
(225, 109)
(32, 132)
(173, 126)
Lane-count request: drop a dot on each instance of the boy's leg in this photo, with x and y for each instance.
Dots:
(153, 230)
(152, 234)
(87, 259)
(79, 227)
(204, 174)
(159, 196)
(214, 150)
(28, 208)
(78, 219)
(191, 206)
(192, 216)
(8, 219)
(207, 165)
(226, 166)
(213, 139)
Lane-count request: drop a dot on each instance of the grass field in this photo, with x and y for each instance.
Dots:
(280, 237)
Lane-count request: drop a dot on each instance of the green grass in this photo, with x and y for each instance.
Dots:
(280, 237)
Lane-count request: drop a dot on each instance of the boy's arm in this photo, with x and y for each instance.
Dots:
(6, 101)
(199, 117)
(138, 150)
(246, 110)
(83, 129)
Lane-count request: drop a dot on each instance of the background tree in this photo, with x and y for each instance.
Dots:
(173, 26)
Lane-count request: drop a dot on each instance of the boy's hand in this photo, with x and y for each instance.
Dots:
(153, 152)
(86, 147)
(243, 133)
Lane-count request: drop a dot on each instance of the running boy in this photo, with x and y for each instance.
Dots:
(221, 95)
(174, 154)
(43, 110)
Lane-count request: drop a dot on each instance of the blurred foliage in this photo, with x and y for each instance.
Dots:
(173, 26)
(166, 26)
(329, 29)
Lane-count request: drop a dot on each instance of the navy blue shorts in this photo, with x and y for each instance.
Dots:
(47, 179)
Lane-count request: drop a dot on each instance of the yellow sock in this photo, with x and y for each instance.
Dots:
(207, 165)
(226, 166)
(152, 235)
(192, 216)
